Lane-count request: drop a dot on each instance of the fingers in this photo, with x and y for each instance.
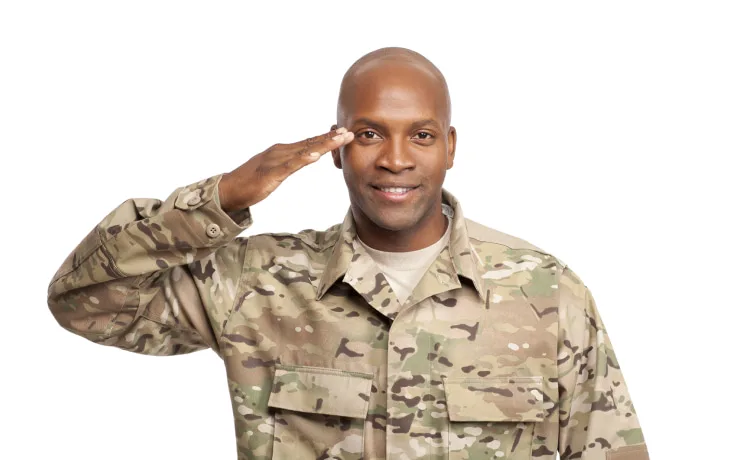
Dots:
(295, 156)
(327, 144)
(310, 150)
(318, 139)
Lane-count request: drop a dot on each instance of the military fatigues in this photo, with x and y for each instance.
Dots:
(500, 351)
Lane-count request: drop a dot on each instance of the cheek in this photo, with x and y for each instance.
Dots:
(438, 165)
(350, 168)
(354, 162)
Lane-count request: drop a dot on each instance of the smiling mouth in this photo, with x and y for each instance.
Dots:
(395, 190)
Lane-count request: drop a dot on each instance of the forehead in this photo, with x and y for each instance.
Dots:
(393, 93)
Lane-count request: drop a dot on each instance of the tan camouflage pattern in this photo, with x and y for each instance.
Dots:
(500, 352)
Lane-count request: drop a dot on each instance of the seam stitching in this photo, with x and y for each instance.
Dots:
(241, 283)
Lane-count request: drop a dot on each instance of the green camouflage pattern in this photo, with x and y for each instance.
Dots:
(499, 352)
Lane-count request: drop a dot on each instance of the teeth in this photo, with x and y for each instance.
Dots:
(397, 190)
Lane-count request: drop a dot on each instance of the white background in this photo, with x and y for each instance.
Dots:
(612, 134)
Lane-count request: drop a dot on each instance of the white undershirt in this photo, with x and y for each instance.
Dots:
(404, 270)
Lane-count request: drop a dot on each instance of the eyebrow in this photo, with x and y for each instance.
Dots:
(415, 125)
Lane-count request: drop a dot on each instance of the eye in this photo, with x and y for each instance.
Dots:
(368, 134)
(424, 135)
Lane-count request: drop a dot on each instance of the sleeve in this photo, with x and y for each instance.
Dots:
(597, 417)
(155, 277)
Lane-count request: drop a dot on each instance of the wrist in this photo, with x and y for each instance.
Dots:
(226, 193)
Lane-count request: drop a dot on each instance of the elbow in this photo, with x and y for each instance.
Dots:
(89, 312)
(62, 307)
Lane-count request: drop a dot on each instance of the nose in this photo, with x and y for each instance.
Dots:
(395, 157)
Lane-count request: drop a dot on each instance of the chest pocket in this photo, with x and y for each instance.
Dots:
(493, 417)
(319, 412)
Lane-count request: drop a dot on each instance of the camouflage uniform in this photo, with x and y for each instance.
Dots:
(500, 351)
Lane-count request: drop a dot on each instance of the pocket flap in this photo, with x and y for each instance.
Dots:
(321, 390)
(498, 399)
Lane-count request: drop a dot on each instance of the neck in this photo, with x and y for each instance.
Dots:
(424, 233)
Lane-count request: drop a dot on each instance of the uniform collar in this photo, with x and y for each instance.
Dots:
(465, 261)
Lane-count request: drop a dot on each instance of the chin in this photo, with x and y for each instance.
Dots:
(395, 223)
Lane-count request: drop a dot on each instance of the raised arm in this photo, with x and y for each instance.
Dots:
(597, 417)
(160, 277)
(154, 277)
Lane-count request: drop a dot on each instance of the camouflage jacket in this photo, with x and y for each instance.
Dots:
(500, 351)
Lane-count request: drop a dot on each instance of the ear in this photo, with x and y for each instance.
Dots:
(336, 153)
(451, 146)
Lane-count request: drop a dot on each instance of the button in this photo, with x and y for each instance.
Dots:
(194, 199)
(213, 230)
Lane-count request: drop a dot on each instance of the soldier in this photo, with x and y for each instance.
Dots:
(405, 332)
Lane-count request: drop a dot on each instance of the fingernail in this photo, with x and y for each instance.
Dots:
(315, 154)
(341, 130)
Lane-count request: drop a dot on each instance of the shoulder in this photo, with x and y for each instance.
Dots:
(308, 241)
(506, 250)
(487, 236)
(506, 258)
(493, 241)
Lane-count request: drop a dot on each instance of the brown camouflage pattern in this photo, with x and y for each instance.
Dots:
(500, 352)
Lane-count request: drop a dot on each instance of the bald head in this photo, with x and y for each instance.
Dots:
(409, 67)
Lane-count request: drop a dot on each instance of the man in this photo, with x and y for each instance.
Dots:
(405, 332)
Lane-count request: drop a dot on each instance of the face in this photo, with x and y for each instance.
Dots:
(403, 146)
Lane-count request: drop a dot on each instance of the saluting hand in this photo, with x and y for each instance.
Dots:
(253, 181)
